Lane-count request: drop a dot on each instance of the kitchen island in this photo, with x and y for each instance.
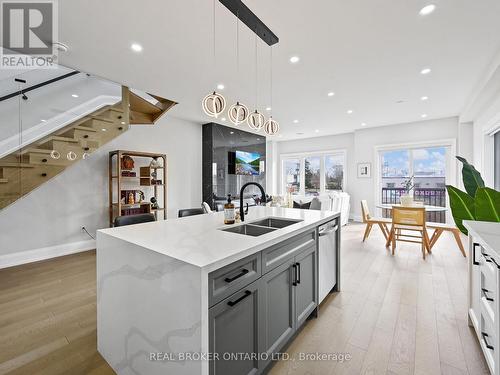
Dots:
(195, 296)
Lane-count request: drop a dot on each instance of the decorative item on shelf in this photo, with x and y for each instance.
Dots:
(238, 113)
(129, 174)
(127, 162)
(256, 120)
(122, 200)
(131, 199)
(139, 196)
(271, 127)
(407, 199)
(154, 163)
(153, 174)
(477, 202)
(154, 203)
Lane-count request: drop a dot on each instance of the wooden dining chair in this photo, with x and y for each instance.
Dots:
(409, 219)
(370, 221)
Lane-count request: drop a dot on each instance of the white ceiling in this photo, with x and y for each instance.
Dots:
(369, 52)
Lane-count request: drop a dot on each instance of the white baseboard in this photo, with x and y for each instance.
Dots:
(35, 255)
(356, 218)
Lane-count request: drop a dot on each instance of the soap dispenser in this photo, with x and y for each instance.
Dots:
(229, 212)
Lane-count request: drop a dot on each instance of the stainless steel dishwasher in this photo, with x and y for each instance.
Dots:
(328, 257)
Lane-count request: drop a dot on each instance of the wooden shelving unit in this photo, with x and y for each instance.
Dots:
(150, 180)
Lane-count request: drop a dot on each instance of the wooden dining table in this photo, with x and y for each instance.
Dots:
(428, 208)
(437, 228)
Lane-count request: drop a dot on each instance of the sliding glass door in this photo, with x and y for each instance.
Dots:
(425, 166)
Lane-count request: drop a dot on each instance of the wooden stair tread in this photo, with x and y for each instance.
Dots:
(142, 105)
(36, 150)
(59, 138)
(84, 128)
(16, 165)
(103, 119)
(3, 180)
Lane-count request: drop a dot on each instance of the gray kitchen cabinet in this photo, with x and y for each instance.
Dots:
(233, 329)
(278, 304)
(306, 288)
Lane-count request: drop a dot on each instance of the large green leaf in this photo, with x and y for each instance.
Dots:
(462, 206)
(471, 177)
(487, 205)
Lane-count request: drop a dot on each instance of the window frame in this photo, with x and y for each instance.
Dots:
(301, 156)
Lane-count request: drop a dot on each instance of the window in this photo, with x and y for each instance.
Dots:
(291, 175)
(334, 172)
(314, 173)
(428, 168)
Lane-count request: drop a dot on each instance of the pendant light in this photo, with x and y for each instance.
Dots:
(238, 113)
(256, 119)
(271, 126)
(214, 104)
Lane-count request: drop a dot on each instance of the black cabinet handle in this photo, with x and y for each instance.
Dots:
(485, 291)
(232, 303)
(294, 282)
(485, 335)
(298, 273)
(243, 272)
(474, 262)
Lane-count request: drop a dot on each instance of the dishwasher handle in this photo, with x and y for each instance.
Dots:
(328, 231)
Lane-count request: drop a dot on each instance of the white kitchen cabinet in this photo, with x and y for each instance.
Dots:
(484, 288)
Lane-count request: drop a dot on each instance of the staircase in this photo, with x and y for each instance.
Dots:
(26, 169)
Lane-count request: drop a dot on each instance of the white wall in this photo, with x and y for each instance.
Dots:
(361, 145)
(53, 214)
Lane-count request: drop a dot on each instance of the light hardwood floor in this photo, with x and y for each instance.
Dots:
(395, 315)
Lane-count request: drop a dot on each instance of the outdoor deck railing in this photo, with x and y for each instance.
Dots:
(430, 196)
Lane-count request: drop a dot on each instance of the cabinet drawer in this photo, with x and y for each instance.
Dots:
(278, 254)
(488, 342)
(227, 280)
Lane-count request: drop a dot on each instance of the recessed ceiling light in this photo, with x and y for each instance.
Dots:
(43, 120)
(316, 131)
(268, 108)
(294, 59)
(224, 119)
(220, 86)
(425, 71)
(231, 132)
(103, 129)
(295, 121)
(424, 115)
(424, 98)
(123, 122)
(428, 9)
(258, 139)
(74, 96)
(363, 124)
(136, 47)
(331, 93)
(350, 112)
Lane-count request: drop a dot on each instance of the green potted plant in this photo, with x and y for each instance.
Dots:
(477, 202)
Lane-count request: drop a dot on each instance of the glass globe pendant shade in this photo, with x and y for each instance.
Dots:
(214, 104)
(238, 113)
(271, 126)
(54, 154)
(71, 156)
(256, 120)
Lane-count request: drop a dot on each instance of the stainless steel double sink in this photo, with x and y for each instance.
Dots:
(262, 226)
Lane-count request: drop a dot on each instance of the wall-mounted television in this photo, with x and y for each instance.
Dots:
(247, 163)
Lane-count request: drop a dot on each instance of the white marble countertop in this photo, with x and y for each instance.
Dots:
(488, 232)
(198, 240)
